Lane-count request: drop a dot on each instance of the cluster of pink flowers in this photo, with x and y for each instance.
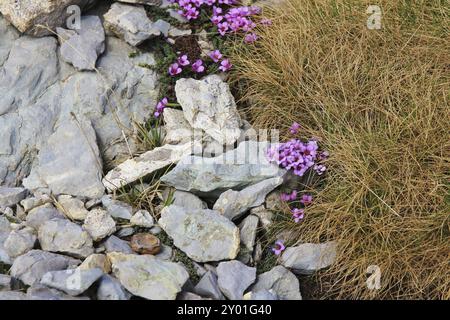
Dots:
(217, 57)
(297, 213)
(234, 19)
(183, 61)
(294, 155)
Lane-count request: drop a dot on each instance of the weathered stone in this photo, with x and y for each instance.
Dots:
(166, 253)
(70, 161)
(109, 288)
(232, 204)
(145, 243)
(73, 208)
(125, 232)
(11, 196)
(5, 282)
(162, 26)
(265, 216)
(209, 105)
(237, 168)
(130, 23)
(31, 266)
(248, 229)
(13, 295)
(280, 281)
(208, 287)
(73, 281)
(178, 130)
(175, 32)
(149, 277)
(204, 235)
(234, 278)
(114, 244)
(20, 242)
(261, 295)
(99, 261)
(41, 292)
(5, 229)
(142, 218)
(99, 224)
(188, 200)
(38, 18)
(38, 216)
(309, 257)
(36, 201)
(117, 209)
(64, 236)
(190, 296)
(134, 169)
(81, 47)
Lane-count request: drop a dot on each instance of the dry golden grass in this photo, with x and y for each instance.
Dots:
(378, 102)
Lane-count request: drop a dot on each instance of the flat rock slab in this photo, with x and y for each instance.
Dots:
(64, 236)
(73, 281)
(280, 281)
(149, 277)
(234, 278)
(309, 257)
(130, 23)
(81, 47)
(134, 169)
(70, 161)
(30, 267)
(11, 196)
(204, 235)
(209, 105)
(235, 169)
(232, 204)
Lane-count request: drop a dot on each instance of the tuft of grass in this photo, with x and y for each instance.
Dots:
(377, 100)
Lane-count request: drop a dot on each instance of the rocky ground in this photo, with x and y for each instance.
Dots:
(69, 105)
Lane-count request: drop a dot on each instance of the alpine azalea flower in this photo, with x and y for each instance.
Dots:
(289, 196)
(183, 60)
(306, 199)
(278, 248)
(160, 107)
(215, 55)
(294, 128)
(198, 66)
(174, 69)
(250, 37)
(225, 65)
(298, 214)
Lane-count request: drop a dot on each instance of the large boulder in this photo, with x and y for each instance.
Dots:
(39, 17)
(39, 92)
(209, 105)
